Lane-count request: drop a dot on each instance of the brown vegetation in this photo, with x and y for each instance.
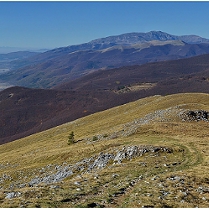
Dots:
(25, 111)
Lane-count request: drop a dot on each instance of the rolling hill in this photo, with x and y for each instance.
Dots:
(147, 153)
(25, 111)
(152, 72)
(59, 65)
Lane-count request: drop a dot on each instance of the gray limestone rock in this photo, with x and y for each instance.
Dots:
(101, 161)
(11, 195)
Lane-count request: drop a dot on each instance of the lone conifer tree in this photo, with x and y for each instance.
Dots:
(71, 138)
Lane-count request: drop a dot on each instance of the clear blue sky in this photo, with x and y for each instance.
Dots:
(56, 24)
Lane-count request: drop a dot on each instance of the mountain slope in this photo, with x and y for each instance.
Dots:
(25, 111)
(67, 63)
(77, 64)
(141, 154)
(153, 72)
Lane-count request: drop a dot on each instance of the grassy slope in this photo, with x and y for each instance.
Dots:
(23, 159)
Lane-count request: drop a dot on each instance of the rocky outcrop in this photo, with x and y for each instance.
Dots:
(101, 161)
(58, 176)
(135, 151)
(11, 195)
(58, 173)
(195, 115)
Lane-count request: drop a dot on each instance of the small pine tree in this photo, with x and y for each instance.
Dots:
(71, 138)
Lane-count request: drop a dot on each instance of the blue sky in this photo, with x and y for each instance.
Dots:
(56, 24)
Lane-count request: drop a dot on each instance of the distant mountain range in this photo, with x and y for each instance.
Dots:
(51, 68)
(132, 38)
(8, 60)
(6, 50)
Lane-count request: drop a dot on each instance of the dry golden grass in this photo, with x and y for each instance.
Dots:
(143, 181)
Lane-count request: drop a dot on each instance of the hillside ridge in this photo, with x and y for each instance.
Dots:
(140, 154)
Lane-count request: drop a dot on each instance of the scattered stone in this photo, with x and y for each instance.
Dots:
(11, 195)
(77, 183)
(164, 193)
(140, 177)
(202, 190)
(175, 178)
(79, 176)
(184, 193)
(160, 185)
(115, 175)
(155, 178)
(22, 186)
(54, 186)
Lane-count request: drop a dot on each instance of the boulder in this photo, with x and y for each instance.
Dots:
(196, 115)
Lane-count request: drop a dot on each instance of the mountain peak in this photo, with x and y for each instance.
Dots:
(160, 36)
(139, 37)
